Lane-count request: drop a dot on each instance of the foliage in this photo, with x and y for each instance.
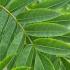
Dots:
(34, 34)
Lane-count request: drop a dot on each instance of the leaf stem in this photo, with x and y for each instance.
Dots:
(17, 22)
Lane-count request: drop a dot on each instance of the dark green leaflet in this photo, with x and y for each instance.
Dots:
(52, 46)
(37, 15)
(53, 4)
(46, 29)
(6, 37)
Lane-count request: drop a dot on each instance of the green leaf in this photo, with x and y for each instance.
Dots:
(4, 2)
(63, 19)
(46, 29)
(37, 15)
(3, 20)
(15, 47)
(49, 4)
(25, 56)
(42, 63)
(52, 46)
(22, 68)
(6, 37)
(64, 38)
(66, 63)
(17, 4)
(4, 62)
(15, 44)
(58, 64)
